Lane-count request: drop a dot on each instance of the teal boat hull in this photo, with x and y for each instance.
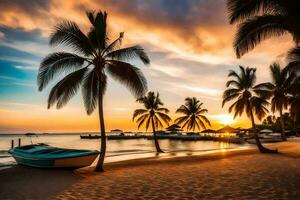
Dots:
(44, 156)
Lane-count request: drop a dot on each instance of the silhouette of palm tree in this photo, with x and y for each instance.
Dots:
(153, 114)
(250, 98)
(279, 87)
(261, 19)
(94, 56)
(294, 61)
(193, 115)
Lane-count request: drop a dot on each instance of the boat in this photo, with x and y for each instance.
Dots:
(45, 156)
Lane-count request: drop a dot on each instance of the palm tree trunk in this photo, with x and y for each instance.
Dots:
(283, 136)
(260, 147)
(158, 150)
(99, 166)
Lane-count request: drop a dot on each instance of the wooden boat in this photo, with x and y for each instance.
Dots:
(44, 156)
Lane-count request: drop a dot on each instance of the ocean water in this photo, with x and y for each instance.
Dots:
(117, 150)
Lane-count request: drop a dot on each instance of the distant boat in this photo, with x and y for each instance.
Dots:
(30, 134)
(89, 136)
(44, 156)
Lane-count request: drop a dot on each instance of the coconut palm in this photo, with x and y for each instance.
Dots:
(93, 57)
(193, 112)
(152, 114)
(279, 87)
(250, 98)
(261, 19)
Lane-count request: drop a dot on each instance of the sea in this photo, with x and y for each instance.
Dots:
(117, 150)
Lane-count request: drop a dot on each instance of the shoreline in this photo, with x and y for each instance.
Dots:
(244, 167)
(123, 157)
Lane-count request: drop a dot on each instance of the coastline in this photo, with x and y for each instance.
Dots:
(203, 176)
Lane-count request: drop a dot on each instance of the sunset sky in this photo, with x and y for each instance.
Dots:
(189, 44)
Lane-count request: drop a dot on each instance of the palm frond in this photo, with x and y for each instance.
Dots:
(157, 121)
(253, 31)
(229, 98)
(91, 90)
(148, 122)
(125, 54)
(239, 10)
(129, 75)
(166, 119)
(233, 83)
(100, 29)
(259, 106)
(141, 120)
(138, 112)
(204, 118)
(56, 63)
(65, 89)
(182, 119)
(293, 66)
(183, 109)
(200, 122)
(69, 34)
(294, 54)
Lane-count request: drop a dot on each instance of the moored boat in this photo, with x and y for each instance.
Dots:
(44, 156)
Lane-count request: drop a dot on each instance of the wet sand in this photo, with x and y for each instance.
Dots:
(243, 174)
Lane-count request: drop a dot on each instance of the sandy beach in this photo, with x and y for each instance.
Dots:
(243, 174)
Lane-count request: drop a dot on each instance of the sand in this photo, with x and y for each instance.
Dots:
(242, 174)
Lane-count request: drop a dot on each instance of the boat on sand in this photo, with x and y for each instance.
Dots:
(44, 156)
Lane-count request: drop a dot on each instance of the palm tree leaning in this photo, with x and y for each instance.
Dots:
(294, 103)
(250, 98)
(152, 114)
(94, 57)
(193, 112)
(279, 87)
(261, 19)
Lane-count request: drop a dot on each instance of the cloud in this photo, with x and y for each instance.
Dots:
(8, 80)
(26, 67)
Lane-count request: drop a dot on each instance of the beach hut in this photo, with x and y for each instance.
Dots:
(228, 129)
(117, 131)
(174, 129)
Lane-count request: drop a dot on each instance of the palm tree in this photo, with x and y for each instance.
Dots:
(279, 88)
(261, 19)
(294, 61)
(153, 114)
(250, 98)
(193, 112)
(294, 102)
(93, 57)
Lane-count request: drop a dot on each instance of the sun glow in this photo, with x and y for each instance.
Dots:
(224, 119)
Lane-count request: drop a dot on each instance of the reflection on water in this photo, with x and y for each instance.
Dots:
(116, 149)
